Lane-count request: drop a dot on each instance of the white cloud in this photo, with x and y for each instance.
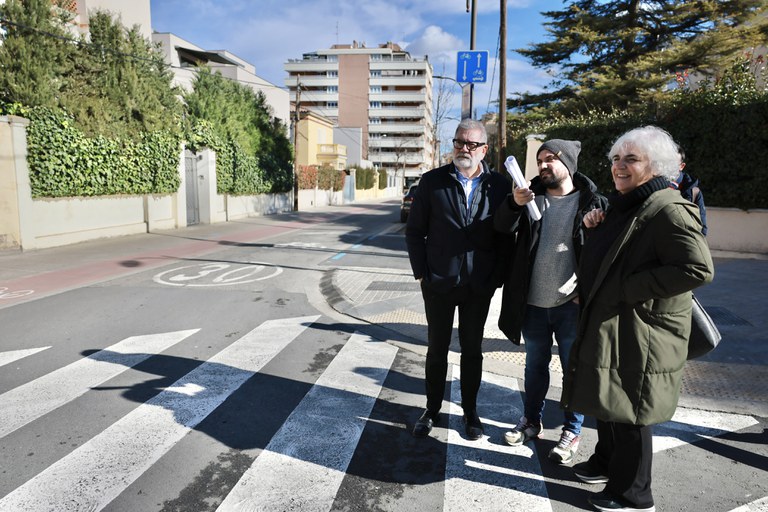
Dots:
(268, 33)
(439, 45)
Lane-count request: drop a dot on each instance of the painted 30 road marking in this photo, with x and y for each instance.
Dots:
(217, 274)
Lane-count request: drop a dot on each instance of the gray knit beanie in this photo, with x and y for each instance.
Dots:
(566, 150)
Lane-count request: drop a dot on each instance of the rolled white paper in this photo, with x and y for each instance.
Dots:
(517, 176)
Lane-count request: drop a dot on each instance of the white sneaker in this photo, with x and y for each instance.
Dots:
(565, 450)
(523, 432)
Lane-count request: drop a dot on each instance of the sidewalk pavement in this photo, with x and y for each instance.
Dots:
(733, 378)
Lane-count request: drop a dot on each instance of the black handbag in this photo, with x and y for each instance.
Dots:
(704, 334)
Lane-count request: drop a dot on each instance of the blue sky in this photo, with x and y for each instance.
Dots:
(267, 33)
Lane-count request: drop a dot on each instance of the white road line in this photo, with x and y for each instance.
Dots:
(487, 474)
(689, 425)
(304, 464)
(15, 355)
(98, 471)
(760, 505)
(28, 402)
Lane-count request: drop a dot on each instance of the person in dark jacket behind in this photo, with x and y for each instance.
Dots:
(457, 257)
(689, 188)
(540, 290)
(638, 267)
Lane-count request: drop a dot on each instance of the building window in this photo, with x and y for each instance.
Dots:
(375, 120)
(375, 89)
(332, 74)
(332, 89)
(332, 58)
(375, 104)
(375, 73)
(331, 104)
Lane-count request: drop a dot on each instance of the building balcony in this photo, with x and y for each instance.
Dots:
(307, 66)
(389, 143)
(332, 152)
(311, 81)
(415, 112)
(398, 65)
(314, 96)
(390, 128)
(401, 96)
(403, 80)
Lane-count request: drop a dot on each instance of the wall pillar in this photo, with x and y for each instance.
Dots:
(533, 142)
(15, 193)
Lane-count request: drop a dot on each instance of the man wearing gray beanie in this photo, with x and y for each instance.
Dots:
(539, 295)
(567, 151)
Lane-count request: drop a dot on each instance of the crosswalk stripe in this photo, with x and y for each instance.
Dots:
(30, 401)
(688, 426)
(760, 505)
(99, 470)
(487, 474)
(303, 466)
(14, 355)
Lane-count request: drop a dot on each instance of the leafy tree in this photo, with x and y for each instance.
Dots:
(34, 53)
(621, 54)
(240, 114)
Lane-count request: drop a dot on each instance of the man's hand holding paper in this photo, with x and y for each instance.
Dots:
(521, 194)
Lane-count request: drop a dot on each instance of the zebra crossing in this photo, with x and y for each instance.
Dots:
(304, 464)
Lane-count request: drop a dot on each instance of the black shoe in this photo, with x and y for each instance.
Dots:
(588, 473)
(474, 428)
(605, 502)
(424, 424)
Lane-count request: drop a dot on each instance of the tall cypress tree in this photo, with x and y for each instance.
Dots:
(619, 54)
(120, 85)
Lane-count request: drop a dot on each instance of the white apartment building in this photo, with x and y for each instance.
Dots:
(184, 57)
(382, 90)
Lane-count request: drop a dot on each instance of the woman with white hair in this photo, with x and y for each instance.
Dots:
(643, 257)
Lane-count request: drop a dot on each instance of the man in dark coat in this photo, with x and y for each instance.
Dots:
(456, 255)
(540, 293)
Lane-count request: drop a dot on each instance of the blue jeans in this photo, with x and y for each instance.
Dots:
(539, 325)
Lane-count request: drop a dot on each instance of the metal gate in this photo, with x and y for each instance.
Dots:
(193, 197)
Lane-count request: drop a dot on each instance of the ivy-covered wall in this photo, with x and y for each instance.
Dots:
(63, 162)
(105, 118)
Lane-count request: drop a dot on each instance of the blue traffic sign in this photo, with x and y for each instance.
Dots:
(472, 67)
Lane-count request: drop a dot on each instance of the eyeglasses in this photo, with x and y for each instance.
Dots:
(458, 144)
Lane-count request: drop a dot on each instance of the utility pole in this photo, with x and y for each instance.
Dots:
(502, 144)
(472, 47)
(296, 119)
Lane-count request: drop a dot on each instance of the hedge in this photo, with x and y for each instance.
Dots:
(726, 146)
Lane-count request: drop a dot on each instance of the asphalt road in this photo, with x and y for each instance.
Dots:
(203, 369)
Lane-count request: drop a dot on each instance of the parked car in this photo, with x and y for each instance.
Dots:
(405, 205)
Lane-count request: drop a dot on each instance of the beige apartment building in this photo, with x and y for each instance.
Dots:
(380, 89)
(315, 144)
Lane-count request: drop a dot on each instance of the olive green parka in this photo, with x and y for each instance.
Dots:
(627, 361)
